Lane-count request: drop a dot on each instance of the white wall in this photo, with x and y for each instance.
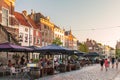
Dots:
(28, 33)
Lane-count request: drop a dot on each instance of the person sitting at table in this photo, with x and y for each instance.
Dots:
(39, 64)
(56, 65)
(22, 62)
(12, 68)
(50, 63)
(9, 63)
(31, 61)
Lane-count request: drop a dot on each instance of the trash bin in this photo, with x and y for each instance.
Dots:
(35, 72)
(69, 67)
(77, 65)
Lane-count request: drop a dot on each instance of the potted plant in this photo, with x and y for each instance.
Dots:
(36, 60)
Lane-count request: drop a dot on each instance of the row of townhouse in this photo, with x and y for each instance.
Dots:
(33, 29)
(94, 46)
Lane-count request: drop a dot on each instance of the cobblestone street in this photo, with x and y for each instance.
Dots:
(92, 72)
(87, 73)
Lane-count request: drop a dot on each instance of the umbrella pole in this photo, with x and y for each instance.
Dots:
(32, 55)
(7, 55)
(53, 61)
(27, 56)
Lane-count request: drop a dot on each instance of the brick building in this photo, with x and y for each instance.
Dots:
(46, 27)
(7, 18)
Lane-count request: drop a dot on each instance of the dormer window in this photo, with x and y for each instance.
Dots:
(5, 20)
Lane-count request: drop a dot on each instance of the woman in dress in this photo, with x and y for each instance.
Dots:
(106, 64)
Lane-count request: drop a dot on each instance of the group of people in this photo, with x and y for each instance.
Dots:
(106, 62)
(22, 61)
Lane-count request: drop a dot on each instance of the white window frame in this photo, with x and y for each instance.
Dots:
(7, 18)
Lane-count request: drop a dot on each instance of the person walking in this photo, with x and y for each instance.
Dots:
(101, 63)
(116, 62)
(113, 61)
(106, 64)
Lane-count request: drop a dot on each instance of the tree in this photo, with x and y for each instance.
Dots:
(118, 52)
(57, 41)
(83, 47)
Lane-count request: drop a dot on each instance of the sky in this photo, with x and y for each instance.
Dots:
(98, 20)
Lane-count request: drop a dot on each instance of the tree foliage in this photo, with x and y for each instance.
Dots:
(83, 47)
(57, 41)
(118, 52)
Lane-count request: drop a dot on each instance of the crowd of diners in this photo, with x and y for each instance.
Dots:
(50, 66)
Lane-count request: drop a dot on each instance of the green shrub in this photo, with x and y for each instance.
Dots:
(36, 60)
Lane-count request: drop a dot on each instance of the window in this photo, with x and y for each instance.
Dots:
(42, 40)
(30, 38)
(38, 41)
(34, 40)
(26, 37)
(4, 17)
(26, 29)
(21, 37)
(36, 33)
(42, 33)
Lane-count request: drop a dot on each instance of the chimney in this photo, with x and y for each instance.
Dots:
(48, 18)
(32, 12)
(24, 13)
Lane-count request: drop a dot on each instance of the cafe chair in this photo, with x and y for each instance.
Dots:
(14, 73)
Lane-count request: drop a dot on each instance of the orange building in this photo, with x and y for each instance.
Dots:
(70, 40)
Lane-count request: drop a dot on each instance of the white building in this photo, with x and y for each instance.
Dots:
(25, 30)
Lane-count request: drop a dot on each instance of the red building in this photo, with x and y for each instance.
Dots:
(37, 37)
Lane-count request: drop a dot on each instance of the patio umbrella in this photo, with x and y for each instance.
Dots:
(34, 48)
(9, 47)
(51, 49)
(78, 53)
(92, 54)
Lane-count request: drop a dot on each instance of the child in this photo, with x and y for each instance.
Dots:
(106, 64)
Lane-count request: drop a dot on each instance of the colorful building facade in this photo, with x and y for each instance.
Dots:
(59, 33)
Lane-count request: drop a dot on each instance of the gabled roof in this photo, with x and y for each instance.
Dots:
(32, 23)
(74, 36)
(56, 27)
(21, 19)
(67, 33)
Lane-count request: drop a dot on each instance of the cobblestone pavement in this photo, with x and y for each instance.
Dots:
(87, 73)
(92, 72)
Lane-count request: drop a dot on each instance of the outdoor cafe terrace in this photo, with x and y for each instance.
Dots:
(60, 60)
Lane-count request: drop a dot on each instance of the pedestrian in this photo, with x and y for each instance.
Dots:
(106, 64)
(101, 63)
(113, 61)
(116, 62)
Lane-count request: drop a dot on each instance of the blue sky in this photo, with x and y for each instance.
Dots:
(95, 19)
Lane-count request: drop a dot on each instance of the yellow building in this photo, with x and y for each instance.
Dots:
(59, 33)
(70, 40)
(47, 31)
